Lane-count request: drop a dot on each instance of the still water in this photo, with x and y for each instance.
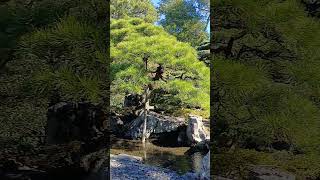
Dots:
(167, 157)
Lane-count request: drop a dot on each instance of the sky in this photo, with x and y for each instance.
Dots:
(156, 2)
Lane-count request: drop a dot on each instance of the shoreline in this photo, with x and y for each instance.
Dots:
(129, 167)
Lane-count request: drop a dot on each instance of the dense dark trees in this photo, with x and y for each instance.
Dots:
(58, 53)
(265, 81)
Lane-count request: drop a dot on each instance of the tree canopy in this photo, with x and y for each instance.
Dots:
(188, 78)
(265, 80)
(185, 19)
(58, 55)
(127, 8)
(60, 64)
(20, 17)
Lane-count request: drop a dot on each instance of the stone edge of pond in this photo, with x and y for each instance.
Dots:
(129, 167)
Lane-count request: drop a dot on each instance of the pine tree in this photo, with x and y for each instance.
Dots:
(265, 80)
(187, 78)
(59, 54)
(185, 19)
(140, 9)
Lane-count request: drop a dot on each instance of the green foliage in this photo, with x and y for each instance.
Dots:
(131, 39)
(143, 9)
(265, 80)
(56, 50)
(20, 17)
(238, 163)
(235, 164)
(66, 59)
(185, 19)
(257, 108)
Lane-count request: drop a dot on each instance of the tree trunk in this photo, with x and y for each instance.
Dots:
(146, 103)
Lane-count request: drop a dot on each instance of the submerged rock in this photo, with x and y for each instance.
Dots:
(202, 147)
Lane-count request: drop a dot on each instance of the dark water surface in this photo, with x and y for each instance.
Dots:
(167, 157)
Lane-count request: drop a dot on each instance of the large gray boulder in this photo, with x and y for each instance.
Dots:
(195, 130)
(156, 124)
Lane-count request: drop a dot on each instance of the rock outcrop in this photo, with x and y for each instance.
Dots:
(156, 124)
(74, 122)
(204, 52)
(195, 130)
(51, 162)
(77, 147)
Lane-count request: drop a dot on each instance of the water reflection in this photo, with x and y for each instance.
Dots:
(168, 157)
(196, 161)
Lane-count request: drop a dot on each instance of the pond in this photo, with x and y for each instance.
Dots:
(167, 157)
